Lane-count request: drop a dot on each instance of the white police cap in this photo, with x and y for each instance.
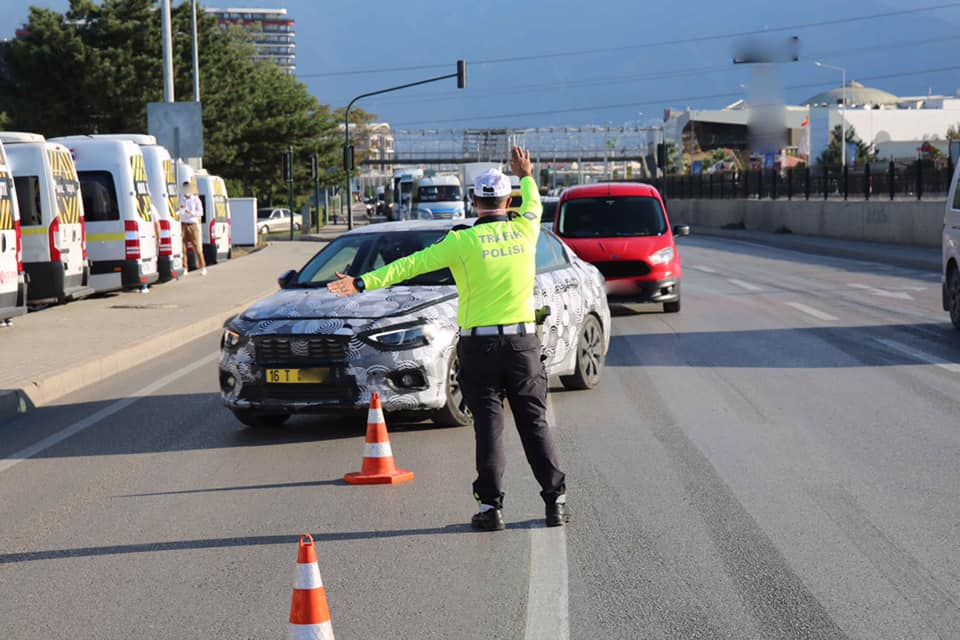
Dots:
(492, 183)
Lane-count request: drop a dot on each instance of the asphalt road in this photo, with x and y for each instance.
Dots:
(778, 460)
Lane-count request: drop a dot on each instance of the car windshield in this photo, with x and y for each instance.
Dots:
(359, 253)
(442, 193)
(611, 217)
(549, 211)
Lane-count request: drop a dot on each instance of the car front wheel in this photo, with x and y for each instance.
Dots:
(589, 357)
(258, 420)
(264, 230)
(953, 296)
(455, 412)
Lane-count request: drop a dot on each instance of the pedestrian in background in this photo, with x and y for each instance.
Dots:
(191, 215)
(493, 265)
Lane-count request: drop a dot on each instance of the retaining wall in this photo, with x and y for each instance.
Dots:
(915, 223)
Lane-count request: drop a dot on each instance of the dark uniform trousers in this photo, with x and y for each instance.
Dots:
(508, 366)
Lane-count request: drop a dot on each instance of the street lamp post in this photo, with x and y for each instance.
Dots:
(460, 75)
(843, 111)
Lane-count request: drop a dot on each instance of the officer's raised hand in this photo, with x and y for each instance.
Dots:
(520, 162)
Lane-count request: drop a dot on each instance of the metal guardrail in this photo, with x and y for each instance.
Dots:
(877, 181)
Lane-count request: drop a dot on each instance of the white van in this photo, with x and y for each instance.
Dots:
(437, 198)
(950, 244)
(216, 217)
(51, 217)
(164, 193)
(121, 235)
(13, 286)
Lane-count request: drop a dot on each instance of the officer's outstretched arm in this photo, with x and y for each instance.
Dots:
(436, 256)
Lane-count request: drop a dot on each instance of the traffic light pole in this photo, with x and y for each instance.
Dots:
(460, 75)
(290, 186)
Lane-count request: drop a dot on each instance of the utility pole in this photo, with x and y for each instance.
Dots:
(167, 37)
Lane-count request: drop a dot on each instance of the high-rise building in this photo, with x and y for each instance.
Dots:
(272, 33)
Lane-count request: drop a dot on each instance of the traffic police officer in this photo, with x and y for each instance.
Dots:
(493, 264)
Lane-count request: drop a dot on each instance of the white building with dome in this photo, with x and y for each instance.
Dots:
(896, 126)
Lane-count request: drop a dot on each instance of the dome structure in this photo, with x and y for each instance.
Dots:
(857, 94)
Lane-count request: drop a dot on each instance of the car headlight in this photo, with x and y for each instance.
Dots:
(230, 339)
(405, 337)
(425, 214)
(664, 256)
(458, 213)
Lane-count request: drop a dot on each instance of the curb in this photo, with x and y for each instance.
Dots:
(37, 393)
(810, 244)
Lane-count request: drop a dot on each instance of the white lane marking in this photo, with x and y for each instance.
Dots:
(106, 412)
(810, 311)
(704, 269)
(548, 617)
(548, 613)
(744, 285)
(900, 295)
(920, 355)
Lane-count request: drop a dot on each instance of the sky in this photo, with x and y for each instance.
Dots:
(552, 63)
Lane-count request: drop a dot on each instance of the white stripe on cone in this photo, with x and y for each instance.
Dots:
(375, 416)
(307, 576)
(322, 631)
(377, 450)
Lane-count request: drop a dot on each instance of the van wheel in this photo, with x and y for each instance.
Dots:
(589, 357)
(953, 295)
(260, 420)
(296, 226)
(671, 307)
(455, 413)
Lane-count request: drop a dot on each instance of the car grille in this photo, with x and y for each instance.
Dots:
(443, 216)
(318, 349)
(345, 393)
(623, 268)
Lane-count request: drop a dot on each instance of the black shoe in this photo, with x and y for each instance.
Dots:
(557, 514)
(489, 520)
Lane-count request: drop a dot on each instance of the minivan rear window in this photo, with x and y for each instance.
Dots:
(99, 196)
(621, 216)
(28, 199)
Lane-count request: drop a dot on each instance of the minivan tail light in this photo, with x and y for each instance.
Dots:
(83, 237)
(213, 231)
(166, 240)
(132, 239)
(16, 231)
(54, 235)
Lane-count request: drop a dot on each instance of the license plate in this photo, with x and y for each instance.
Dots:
(297, 376)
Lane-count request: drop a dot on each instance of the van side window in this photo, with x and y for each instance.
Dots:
(203, 205)
(956, 198)
(99, 196)
(28, 197)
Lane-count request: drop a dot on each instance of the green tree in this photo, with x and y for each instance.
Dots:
(95, 68)
(832, 154)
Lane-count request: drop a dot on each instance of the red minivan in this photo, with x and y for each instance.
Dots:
(622, 228)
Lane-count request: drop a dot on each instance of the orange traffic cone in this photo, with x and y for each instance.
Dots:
(378, 466)
(309, 614)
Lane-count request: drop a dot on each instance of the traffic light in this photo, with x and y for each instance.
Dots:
(662, 156)
(314, 173)
(461, 74)
(286, 165)
(348, 162)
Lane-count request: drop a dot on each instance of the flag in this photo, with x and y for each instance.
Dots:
(803, 149)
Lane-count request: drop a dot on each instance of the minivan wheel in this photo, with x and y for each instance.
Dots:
(953, 295)
(589, 357)
(455, 412)
(259, 420)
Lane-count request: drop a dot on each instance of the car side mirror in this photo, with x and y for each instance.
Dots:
(681, 230)
(287, 278)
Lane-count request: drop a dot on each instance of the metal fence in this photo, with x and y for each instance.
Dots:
(871, 181)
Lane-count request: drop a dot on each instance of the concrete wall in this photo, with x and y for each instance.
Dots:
(898, 222)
